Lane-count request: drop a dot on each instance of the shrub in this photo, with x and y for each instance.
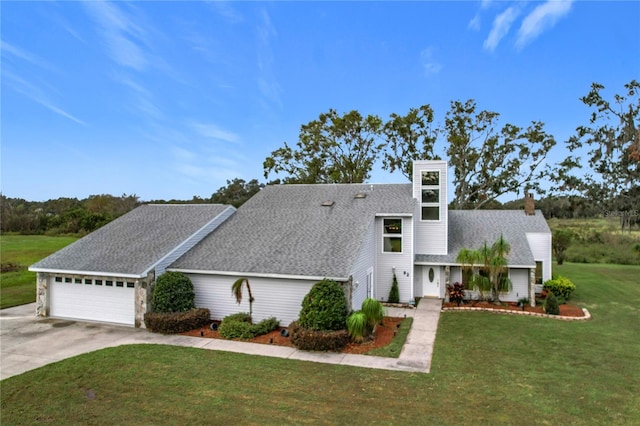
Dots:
(523, 302)
(560, 286)
(456, 293)
(551, 305)
(176, 322)
(394, 293)
(315, 340)
(238, 326)
(324, 308)
(357, 326)
(373, 311)
(173, 292)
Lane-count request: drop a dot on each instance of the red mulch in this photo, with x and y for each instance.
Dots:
(566, 310)
(383, 336)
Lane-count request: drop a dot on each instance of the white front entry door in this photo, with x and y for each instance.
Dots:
(431, 281)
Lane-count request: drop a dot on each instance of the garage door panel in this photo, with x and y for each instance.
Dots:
(92, 302)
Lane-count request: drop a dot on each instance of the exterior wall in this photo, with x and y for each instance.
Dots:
(519, 283)
(431, 236)
(143, 292)
(189, 243)
(456, 274)
(386, 262)
(280, 298)
(365, 262)
(540, 245)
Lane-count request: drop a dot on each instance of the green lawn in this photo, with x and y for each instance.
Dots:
(18, 288)
(487, 369)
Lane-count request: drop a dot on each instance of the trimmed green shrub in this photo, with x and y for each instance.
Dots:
(238, 326)
(315, 340)
(176, 322)
(523, 302)
(374, 311)
(324, 308)
(173, 292)
(357, 326)
(456, 293)
(551, 306)
(394, 293)
(560, 286)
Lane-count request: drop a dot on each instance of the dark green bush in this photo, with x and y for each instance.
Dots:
(315, 340)
(394, 293)
(173, 292)
(560, 286)
(551, 306)
(176, 322)
(324, 308)
(238, 326)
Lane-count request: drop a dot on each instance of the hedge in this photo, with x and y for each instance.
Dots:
(176, 322)
(314, 340)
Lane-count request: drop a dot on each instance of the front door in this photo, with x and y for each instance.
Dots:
(431, 281)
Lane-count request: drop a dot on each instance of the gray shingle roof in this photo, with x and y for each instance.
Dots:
(285, 230)
(134, 242)
(471, 228)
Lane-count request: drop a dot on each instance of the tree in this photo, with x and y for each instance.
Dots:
(561, 242)
(488, 162)
(237, 192)
(409, 137)
(613, 140)
(492, 274)
(331, 149)
(394, 293)
(236, 290)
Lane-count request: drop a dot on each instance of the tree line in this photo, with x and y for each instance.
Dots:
(488, 160)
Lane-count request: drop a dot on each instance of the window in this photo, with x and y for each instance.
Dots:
(98, 282)
(77, 280)
(87, 281)
(108, 283)
(392, 235)
(67, 279)
(130, 284)
(430, 202)
(467, 276)
(58, 279)
(538, 272)
(119, 284)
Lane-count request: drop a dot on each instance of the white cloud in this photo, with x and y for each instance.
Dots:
(24, 55)
(120, 34)
(542, 18)
(267, 81)
(224, 9)
(474, 23)
(212, 131)
(429, 65)
(501, 25)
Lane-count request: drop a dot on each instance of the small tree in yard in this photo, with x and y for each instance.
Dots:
(492, 261)
(394, 293)
(236, 289)
(173, 292)
(561, 242)
(324, 308)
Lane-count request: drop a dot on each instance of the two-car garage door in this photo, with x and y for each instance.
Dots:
(102, 300)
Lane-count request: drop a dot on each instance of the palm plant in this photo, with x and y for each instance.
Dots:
(467, 258)
(357, 326)
(374, 311)
(236, 290)
(498, 267)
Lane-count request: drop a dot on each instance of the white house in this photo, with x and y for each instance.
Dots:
(285, 239)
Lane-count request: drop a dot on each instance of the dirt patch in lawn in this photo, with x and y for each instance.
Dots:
(383, 336)
(566, 310)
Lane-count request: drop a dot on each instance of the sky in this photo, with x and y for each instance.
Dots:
(169, 100)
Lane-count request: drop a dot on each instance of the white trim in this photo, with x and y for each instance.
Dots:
(459, 264)
(394, 215)
(258, 275)
(85, 273)
(396, 235)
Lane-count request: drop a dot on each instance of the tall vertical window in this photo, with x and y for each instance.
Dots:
(538, 272)
(392, 235)
(430, 200)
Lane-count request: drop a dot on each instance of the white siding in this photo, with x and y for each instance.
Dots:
(456, 275)
(431, 236)
(519, 283)
(280, 298)
(189, 243)
(92, 302)
(364, 262)
(403, 263)
(540, 245)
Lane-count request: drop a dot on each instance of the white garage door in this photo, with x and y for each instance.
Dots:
(92, 299)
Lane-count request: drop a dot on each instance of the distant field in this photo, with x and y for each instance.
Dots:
(18, 287)
(600, 241)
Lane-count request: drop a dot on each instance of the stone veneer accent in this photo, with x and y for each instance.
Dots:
(143, 292)
(532, 287)
(42, 295)
(586, 316)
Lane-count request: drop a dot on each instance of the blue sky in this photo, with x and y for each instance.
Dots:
(170, 99)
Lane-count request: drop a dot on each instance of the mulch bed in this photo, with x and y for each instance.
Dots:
(566, 310)
(384, 335)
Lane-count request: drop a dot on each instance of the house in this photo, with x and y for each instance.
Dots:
(284, 240)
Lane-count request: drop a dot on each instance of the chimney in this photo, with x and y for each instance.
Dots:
(529, 206)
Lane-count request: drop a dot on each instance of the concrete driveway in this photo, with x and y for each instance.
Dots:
(28, 342)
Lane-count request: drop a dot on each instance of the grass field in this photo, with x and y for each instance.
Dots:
(19, 287)
(486, 369)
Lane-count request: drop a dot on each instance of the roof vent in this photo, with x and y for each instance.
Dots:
(328, 203)
(360, 195)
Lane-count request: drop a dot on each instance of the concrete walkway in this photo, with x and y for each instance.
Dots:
(28, 342)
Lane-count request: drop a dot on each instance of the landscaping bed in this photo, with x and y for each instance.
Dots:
(383, 336)
(566, 310)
